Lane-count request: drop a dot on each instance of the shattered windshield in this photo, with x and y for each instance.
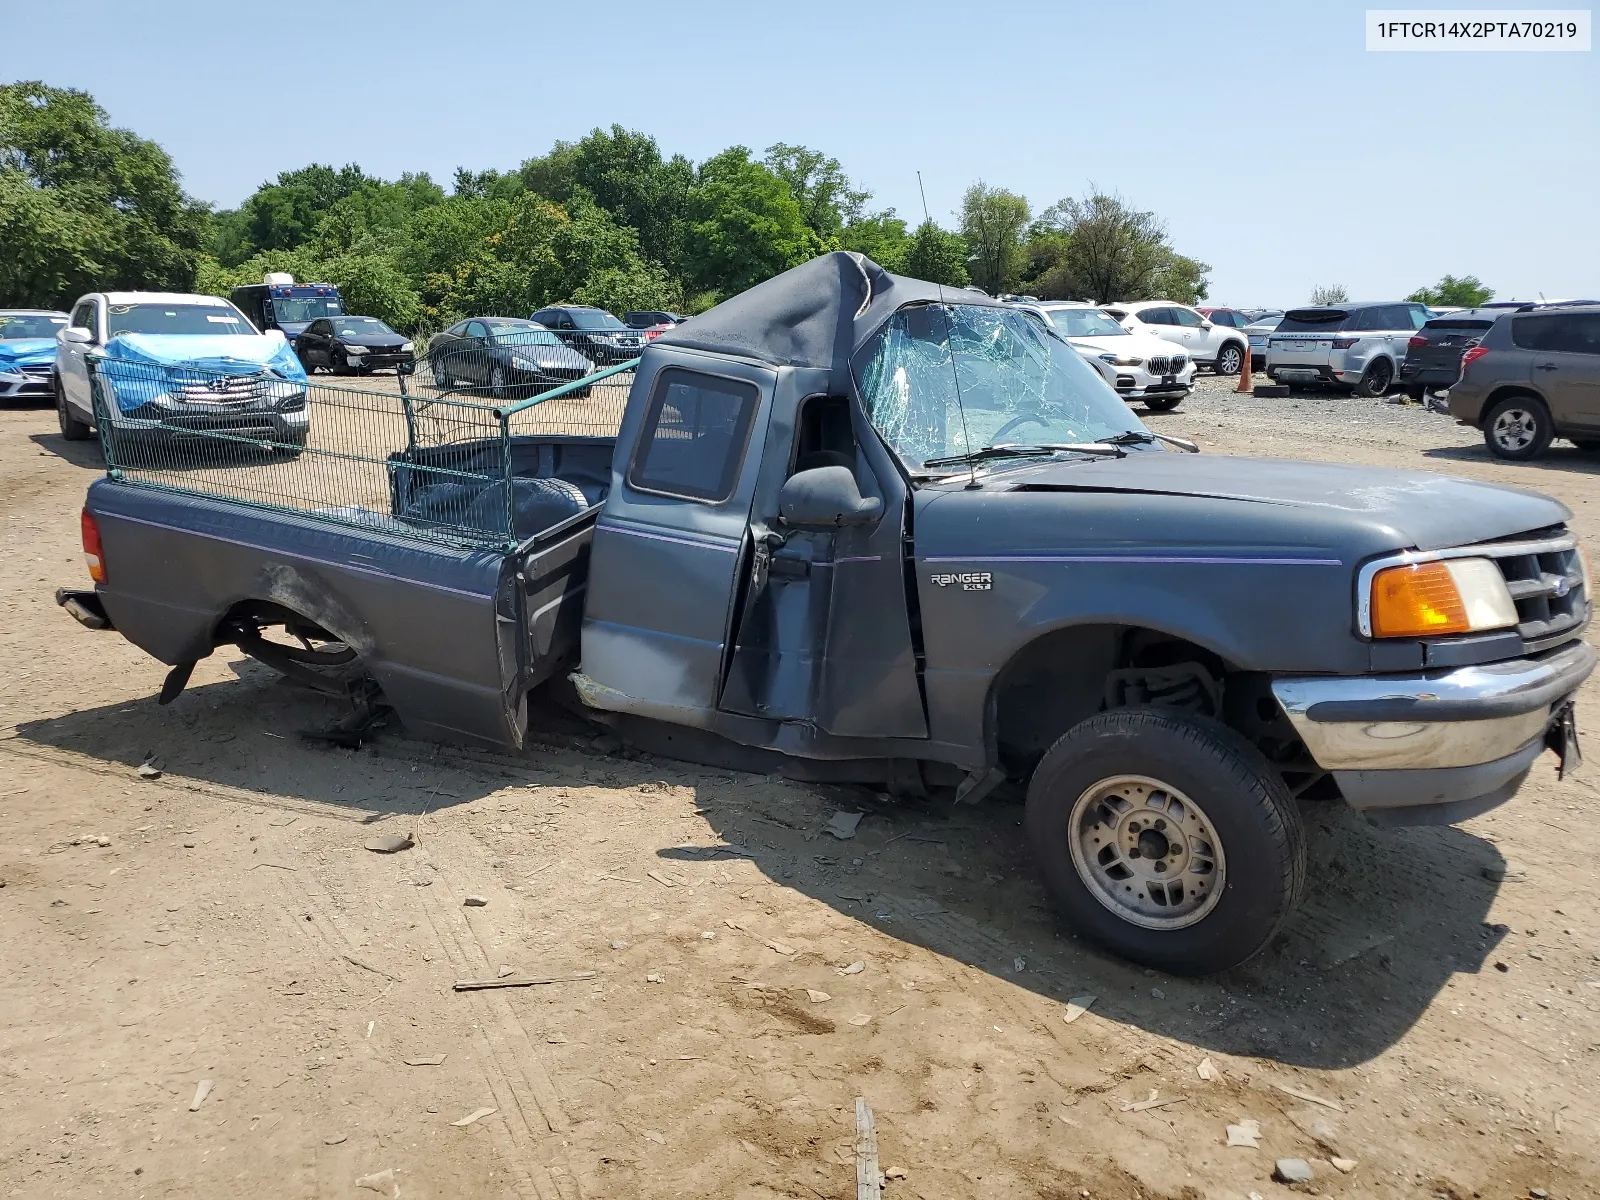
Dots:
(944, 380)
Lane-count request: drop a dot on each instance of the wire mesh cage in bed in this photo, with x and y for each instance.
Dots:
(416, 456)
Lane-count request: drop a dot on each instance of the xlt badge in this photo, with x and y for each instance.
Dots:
(970, 581)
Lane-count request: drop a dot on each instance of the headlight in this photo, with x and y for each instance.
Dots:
(1463, 595)
(1121, 360)
(524, 364)
(355, 349)
(405, 347)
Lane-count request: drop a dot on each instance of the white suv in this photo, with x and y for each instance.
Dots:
(150, 382)
(1139, 366)
(1220, 347)
(1354, 347)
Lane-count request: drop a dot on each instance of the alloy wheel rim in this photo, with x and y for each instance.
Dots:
(1147, 852)
(1230, 361)
(497, 382)
(1514, 429)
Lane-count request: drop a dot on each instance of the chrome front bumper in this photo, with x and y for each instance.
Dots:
(1446, 738)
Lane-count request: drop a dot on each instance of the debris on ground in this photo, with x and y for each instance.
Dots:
(869, 1181)
(1309, 1098)
(479, 985)
(1343, 1164)
(335, 1139)
(1019, 964)
(1245, 1133)
(1154, 1100)
(655, 977)
(424, 1060)
(1292, 1170)
(150, 769)
(475, 1115)
(1205, 1070)
(843, 824)
(1157, 994)
(854, 968)
(505, 970)
(1076, 1007)
(620, 945)
(475, 902)
(201, 1091)
(1505, 872)
(860, 1019)
(382, 1181)
(816, 997)
(389, 843)
(894, 1172)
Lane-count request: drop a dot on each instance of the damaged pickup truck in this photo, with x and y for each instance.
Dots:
(849, 526)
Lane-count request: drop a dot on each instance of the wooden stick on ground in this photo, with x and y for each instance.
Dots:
(478, 985)
(869, 1182)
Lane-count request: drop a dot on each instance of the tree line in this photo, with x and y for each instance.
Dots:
(608, 220)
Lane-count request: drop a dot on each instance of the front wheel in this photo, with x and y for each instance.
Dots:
(1375, 380)
(1230, 359)
(1518, 428)
(72, 429)
(1166, 838)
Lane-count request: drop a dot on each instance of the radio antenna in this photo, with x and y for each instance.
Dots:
(924, 192)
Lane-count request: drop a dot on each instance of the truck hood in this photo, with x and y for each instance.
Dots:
(1424, 511)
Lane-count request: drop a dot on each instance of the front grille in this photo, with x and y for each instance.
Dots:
(232, 390)
(40, 370)
(1160, 365)
(1179, 361)
(1545, 578)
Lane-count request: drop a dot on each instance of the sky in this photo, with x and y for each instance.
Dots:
(1272, 143)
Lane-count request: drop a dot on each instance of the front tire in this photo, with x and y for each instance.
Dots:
(1518, 428)
(72, 429)
(1375, 380)
(1230, 359)
(1166, 838)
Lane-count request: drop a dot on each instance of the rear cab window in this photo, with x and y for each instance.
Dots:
(694, 436)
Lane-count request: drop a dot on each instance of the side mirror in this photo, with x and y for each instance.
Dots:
(1207, 325)
(826, 498)
(277, 333)
(81, 337)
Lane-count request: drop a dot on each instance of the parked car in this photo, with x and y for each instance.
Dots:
(1433, 354)
(1532, 377)
(172, 365)
(593, 332)
(1356, 347)
(352, 346)
(1140, 366)
(1232, 317)
(1259, 332)
(1169, 651)
(503, 356)
(651, 319)
(1219, 347)
(28, 352)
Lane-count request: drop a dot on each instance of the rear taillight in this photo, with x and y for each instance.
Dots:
(1416, 342)
(92, 553)
(1344, 343)
(1473, 354)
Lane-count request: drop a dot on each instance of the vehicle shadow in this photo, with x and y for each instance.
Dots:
(244, 736)
(1558, 458)
(80, 454)
(1388, 918)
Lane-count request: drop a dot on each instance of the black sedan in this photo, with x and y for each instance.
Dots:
(503, 357)
(592, 332)
(351, 345)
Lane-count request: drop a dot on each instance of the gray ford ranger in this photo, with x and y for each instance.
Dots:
(851, 526)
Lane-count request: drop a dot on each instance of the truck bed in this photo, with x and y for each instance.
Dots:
(455, 636)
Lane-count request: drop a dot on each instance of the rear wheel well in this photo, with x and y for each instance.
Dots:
(1507, 391)
(1068, 675)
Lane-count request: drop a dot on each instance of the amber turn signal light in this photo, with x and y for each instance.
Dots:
(1433, 598)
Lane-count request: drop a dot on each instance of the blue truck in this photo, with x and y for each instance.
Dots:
(278, 302)
(849, 526)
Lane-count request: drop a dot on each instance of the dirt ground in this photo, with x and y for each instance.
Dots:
(744, 975)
